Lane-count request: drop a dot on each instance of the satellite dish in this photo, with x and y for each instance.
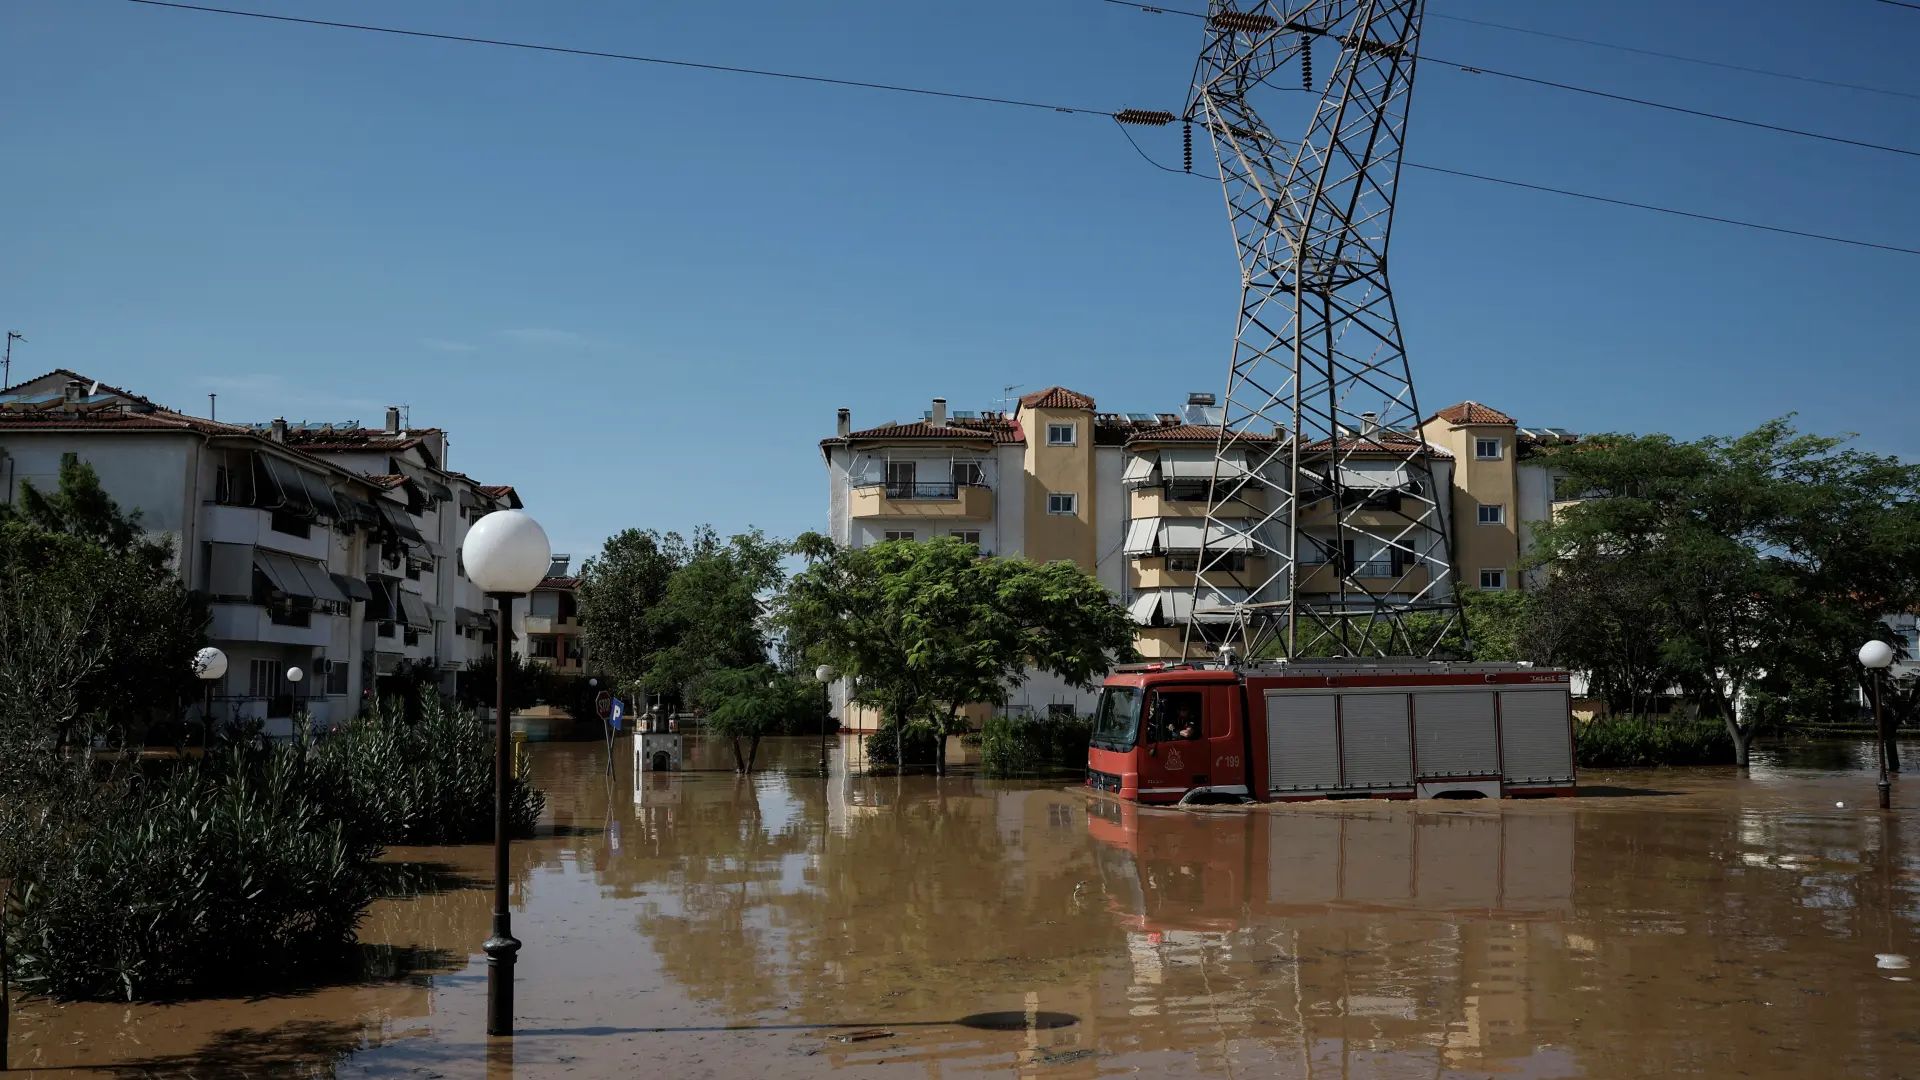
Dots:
(94, 389)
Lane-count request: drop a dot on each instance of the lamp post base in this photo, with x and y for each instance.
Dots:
(1886, 795)
(500, 950)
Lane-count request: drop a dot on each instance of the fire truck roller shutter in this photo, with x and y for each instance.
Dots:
(1303, 743)
(1375, 741)
(1535, 740)
(1454, 733)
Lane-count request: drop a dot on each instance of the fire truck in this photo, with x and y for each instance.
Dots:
(1332, 729)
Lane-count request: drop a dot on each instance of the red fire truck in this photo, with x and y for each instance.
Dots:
(1332, 729)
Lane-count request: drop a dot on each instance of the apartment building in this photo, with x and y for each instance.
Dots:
(554, 635)
(1125, 496)
(315, 549)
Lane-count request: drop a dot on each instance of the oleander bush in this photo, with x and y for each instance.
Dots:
(1639, 741)
(1015, 746)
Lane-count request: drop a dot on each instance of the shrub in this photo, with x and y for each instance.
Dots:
(921, 744)
(425, 781)
(225, 875)
(1636, 741)
(1011, 747)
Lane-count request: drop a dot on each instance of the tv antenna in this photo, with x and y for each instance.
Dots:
(6, 375)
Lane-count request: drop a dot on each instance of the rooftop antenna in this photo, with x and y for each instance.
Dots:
(210, 401)
(1006, 395)
(6, 374)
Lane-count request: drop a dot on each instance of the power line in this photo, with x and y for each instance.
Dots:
(1477, 69)
(562, 50)
(465, 39)
(1901, 3)
(1668, 55)
(1589, 196)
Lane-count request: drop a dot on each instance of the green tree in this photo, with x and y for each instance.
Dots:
(751, 703)
(712, 614)
(1497, 620)
(924, 629)
(619, 589)
(71, 559)
(1752, 565)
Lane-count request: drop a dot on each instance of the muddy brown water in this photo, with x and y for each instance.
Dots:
(704, 925)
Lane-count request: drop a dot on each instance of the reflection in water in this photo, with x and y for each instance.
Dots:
(711, 924)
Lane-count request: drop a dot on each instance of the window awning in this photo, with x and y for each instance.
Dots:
(1176, 607)
(1142, 536)
(425, 479)
(468, 619)
(297, 577)
(413, 610)
(354, 588)
(1144, 608)
(282, 490)
(1193, 536)
(1200, 465)
(1142, 470)
(357, 510)
(1374, 475)
(400, 522)
(382, 608)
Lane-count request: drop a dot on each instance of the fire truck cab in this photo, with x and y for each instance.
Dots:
(1317, 729)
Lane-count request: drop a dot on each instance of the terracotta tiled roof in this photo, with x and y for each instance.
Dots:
(501, 492)
(358, 439)
(386, 482)
(1056, 397)
(570, 582)
(999, 431)
(15, 388)
(1472, 412)
(114, 420)
(1190, 433)
(1390, 446)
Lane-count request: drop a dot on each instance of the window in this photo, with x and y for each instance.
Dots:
(967, 536)
(544, 603)
(901, 477)
(1486, 449)
(337, 671)
(1174, 715)
(291, 524)
(967, 474)
(1189, 490)
(1062, 434)
(1060, 503)
(541, 645)
(263, 678)
(1061, 710)
(1231, 562)
(1493, 579)
(899, 534)
(1493, 513)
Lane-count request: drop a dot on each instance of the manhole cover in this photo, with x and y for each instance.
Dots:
(1018, 1021)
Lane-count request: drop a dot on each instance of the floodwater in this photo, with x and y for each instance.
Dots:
(705, 925)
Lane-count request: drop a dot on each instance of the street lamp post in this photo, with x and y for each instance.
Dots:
(824, 674)
(1876, 657)
(210, 666)
(506, 553)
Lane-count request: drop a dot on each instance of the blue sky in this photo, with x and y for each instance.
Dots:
(639, 293)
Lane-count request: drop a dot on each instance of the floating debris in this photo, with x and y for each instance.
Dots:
(862, 1036)
(1061, 1057)
(1891, 960)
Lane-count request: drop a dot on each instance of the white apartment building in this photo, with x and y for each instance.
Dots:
(305, 559)
(1125, 496)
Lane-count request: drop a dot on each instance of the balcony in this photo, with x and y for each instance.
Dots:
(246, 525)
(248, 622)
(1152, 502)
(1155, 572)
(956, 502)
(1376, 576)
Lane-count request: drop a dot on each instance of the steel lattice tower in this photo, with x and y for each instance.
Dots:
(1321, 470)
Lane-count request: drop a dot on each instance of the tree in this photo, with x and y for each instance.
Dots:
(1748, 567)
(751, 703)
(72, 559)
(711, 616)
(923, 629)
(619, 589)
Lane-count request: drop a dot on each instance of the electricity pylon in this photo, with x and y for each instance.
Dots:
(1326, 531)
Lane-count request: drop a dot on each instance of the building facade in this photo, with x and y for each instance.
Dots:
(1125, 496)
(311, 554)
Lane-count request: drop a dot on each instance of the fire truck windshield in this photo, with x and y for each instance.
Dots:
(1117, 724)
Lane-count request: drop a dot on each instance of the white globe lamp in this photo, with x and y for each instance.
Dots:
(294, 674)
(210, 664)
(823, 673)
(506, 553)
(1876, 655)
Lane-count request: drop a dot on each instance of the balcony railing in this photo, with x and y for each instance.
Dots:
(923, 490)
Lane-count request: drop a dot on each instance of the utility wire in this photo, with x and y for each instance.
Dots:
(1476, 69)
(1901, 3)
(466, 39)
(618, 56)
(1670, 56)
(1584, 195)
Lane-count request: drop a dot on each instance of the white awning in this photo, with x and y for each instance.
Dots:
(1141, 533)
(1142, 469)
(1374, 475)
(1144, 608)
(1200, 465)
(1178, 535)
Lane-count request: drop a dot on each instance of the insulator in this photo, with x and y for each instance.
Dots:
(1243, 22)
(1306, 63)
(1186, 138)
(1148, 117)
